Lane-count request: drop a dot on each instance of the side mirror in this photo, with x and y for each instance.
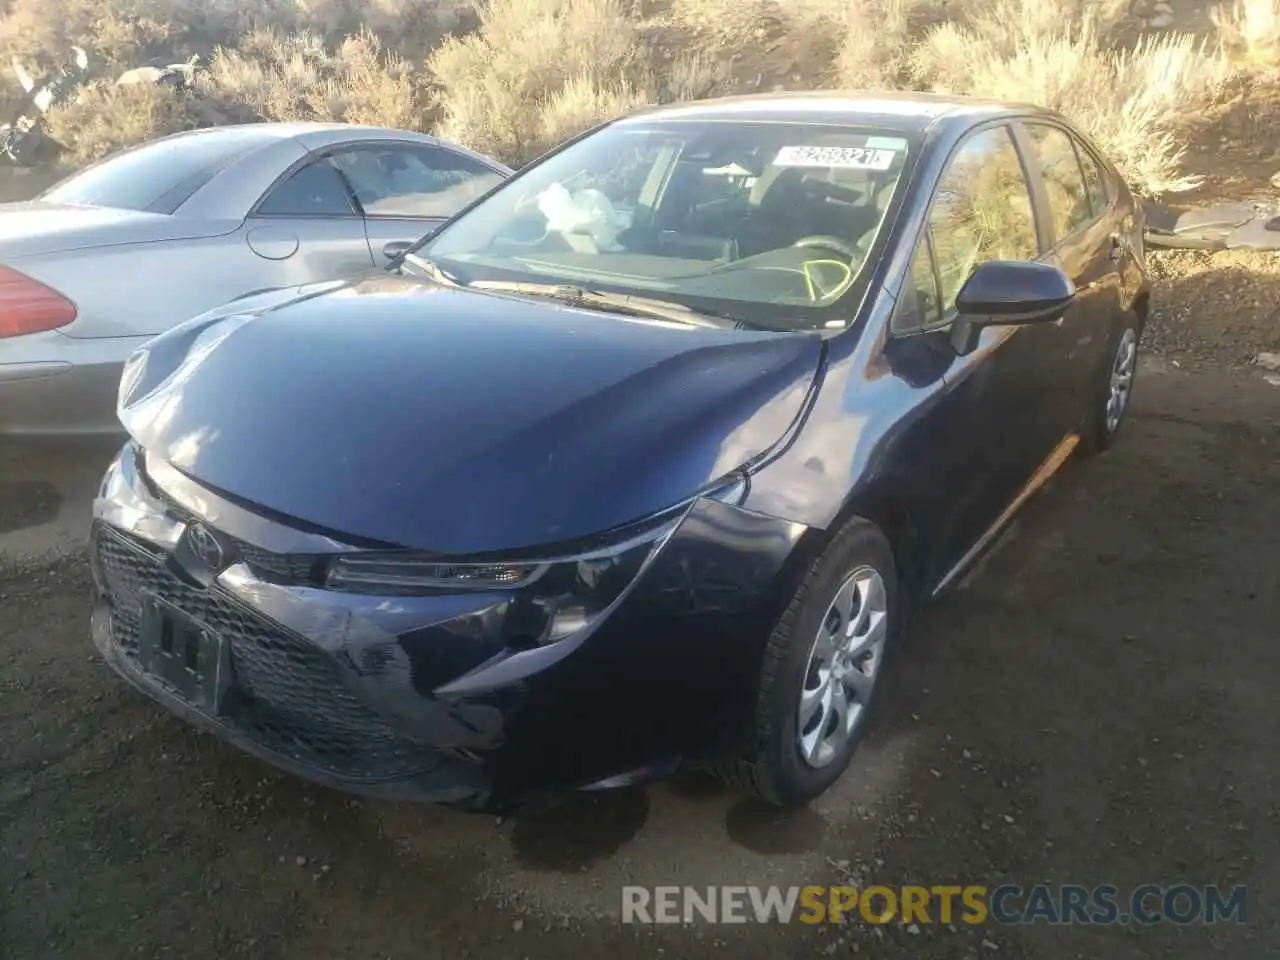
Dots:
(394, 248)
(1006, 292)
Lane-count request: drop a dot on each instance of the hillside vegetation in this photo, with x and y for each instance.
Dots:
(513, 77)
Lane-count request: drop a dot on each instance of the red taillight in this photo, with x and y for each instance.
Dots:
(28, 306)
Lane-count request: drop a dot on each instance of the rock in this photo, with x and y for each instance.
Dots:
(1162, 8)
(517, 925)
(1160, 21)
(1268, 361)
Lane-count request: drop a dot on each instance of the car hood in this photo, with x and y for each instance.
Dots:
(402, 412)
(38, 227)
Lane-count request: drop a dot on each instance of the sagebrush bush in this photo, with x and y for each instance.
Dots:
(1249, 31)
(1135, 102)
(119, 34)
(876, 39)
(107, 118)
(578, 58)
(765, 41)
(298, 77)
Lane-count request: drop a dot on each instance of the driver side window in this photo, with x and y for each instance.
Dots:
(981, 211)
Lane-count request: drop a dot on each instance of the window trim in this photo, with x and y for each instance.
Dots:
(925, 231)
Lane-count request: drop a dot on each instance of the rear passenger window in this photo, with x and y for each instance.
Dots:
(982, 211)
(1094, 183)
(314, 191)
(1069, 202)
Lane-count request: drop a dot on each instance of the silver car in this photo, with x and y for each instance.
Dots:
(104, 260)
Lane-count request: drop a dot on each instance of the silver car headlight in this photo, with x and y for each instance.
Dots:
(552, 597)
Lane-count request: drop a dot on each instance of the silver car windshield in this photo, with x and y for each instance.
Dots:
(737, 216)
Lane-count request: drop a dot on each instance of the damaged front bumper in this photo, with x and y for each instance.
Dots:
(421, 697)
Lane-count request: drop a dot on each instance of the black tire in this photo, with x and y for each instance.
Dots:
(1099, 432)
(774, 768)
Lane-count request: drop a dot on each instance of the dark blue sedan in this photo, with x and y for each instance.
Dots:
(639, 462)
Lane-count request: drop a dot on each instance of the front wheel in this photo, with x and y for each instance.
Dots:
(1115, 390)
(820, 670)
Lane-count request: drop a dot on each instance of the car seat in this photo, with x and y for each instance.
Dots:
(780, 212)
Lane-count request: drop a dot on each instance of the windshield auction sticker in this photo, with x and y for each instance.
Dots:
(847, 158)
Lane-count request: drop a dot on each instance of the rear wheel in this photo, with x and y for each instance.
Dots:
(821, 669)
(1115, 389)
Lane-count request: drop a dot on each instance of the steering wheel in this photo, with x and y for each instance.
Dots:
(827, 242)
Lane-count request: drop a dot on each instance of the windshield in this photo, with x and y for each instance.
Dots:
(157, 176)
(773, 222)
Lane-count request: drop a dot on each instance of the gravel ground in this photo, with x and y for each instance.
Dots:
(1096, 706)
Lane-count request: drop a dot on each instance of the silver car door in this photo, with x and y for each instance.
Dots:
(306, 228)
(406, 190)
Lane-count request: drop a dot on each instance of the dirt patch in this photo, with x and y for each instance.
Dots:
(1215, 309)
(20, 183)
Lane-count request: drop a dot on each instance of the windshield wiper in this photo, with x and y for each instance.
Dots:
(432, 269)
(622, 303)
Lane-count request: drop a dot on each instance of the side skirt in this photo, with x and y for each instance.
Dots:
(1051, 465)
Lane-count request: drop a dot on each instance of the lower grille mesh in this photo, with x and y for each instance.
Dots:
(288, 696)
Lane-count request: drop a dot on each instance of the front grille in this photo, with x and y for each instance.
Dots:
(277, 567)
(288, 695)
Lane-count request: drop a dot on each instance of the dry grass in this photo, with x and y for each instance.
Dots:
(1135, 102)
(877, 42)
(120, 33)
(513, 77)
(1250, 33)
(108, 118)
(299, 78)
(536, 71)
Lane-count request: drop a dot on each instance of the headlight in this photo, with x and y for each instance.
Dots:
(552, 597)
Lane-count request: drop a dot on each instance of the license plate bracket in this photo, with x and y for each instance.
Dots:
(184, 654)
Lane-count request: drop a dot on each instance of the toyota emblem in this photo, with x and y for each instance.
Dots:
(205, 546)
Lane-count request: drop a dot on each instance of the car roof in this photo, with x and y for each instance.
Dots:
(241, 138)
(905, 112)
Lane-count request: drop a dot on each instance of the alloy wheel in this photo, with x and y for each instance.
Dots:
(844, 663)
(1123, 368)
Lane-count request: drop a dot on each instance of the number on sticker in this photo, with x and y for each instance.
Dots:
(849, 158)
